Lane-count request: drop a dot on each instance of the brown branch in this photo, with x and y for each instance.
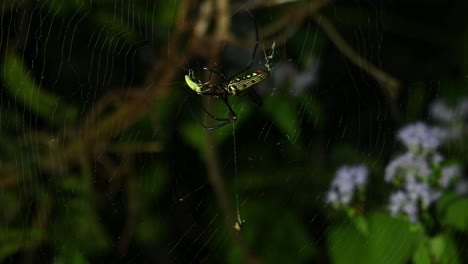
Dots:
(133, 203)
(389, 84)
(97, 137)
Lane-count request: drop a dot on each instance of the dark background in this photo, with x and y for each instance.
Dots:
(102, 159)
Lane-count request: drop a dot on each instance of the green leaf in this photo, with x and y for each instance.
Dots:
(390, 241)
(69, 254)
(444, 249)
(13, 240)
(115, 29)
(361, 224)
(456, 214)
(153, 178)
(194, 135)
(149, 230)
(77, 223)
(278, 237)
(283, 115)
(307, 44)
(59, 8)
(9, 249)
(418, 95)
(165, 12)
(20, 84)
(422, 255)
(314, 112)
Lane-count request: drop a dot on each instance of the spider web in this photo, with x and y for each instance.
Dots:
(102, 159)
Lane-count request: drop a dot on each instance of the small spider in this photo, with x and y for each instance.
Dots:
(232, 85)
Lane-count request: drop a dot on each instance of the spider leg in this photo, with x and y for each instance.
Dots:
(206, 127)
(256, 98)
(252, 58)
(232, 116)
(214, 117)
(211, 70)
(225, 121)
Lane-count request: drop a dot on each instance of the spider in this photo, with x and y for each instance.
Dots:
(232, 85)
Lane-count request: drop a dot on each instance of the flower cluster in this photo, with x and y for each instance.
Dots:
(348, 180)
(419, 137)
(453, 119)
(420, 174)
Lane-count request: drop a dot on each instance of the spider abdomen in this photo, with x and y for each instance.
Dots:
(238, 85)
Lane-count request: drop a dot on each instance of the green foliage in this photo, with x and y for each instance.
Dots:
(453, 212)
(69, 254)
(444, 250)
(422, 255)
(78, 225)
(275, 233)
(283, 115)
(114, 30)
(22, 86)
(66, 8)
(14, 239)
(307, 44)
(194, 133)
(438, 249)
(153, 180)
(417, 97)
(389, 241)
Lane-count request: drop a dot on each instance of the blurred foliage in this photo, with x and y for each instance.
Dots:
(103, 159)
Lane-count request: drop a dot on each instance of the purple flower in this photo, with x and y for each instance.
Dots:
(462, 107)
(453, 118)
(421, 175)
(332, 197)
(407, 201)
(400, 203)
(407, 166)
(448, 175)
(462, 186)
(437, 158)
(411, 209)
(419, 137)
(418, 191)
(347, 180)
(397, 200)
(441, 112)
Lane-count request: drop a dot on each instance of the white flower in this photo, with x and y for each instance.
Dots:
(332, 197)
(408, 200)
(418, 191)
(441, 112)
(437, 158)
(347, 180)
(411, 209)
(419, 137)
(408, 166)
(448, 175)
(462, 186)
(397, 200)
(462, 107)
(400, 203)
(453, 118)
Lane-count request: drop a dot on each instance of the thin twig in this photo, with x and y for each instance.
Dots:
(133, 203)
(389, 84)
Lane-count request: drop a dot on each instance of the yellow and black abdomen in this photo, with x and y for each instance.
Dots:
(238, 85)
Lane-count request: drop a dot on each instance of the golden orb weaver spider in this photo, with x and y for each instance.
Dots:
(232, 85)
